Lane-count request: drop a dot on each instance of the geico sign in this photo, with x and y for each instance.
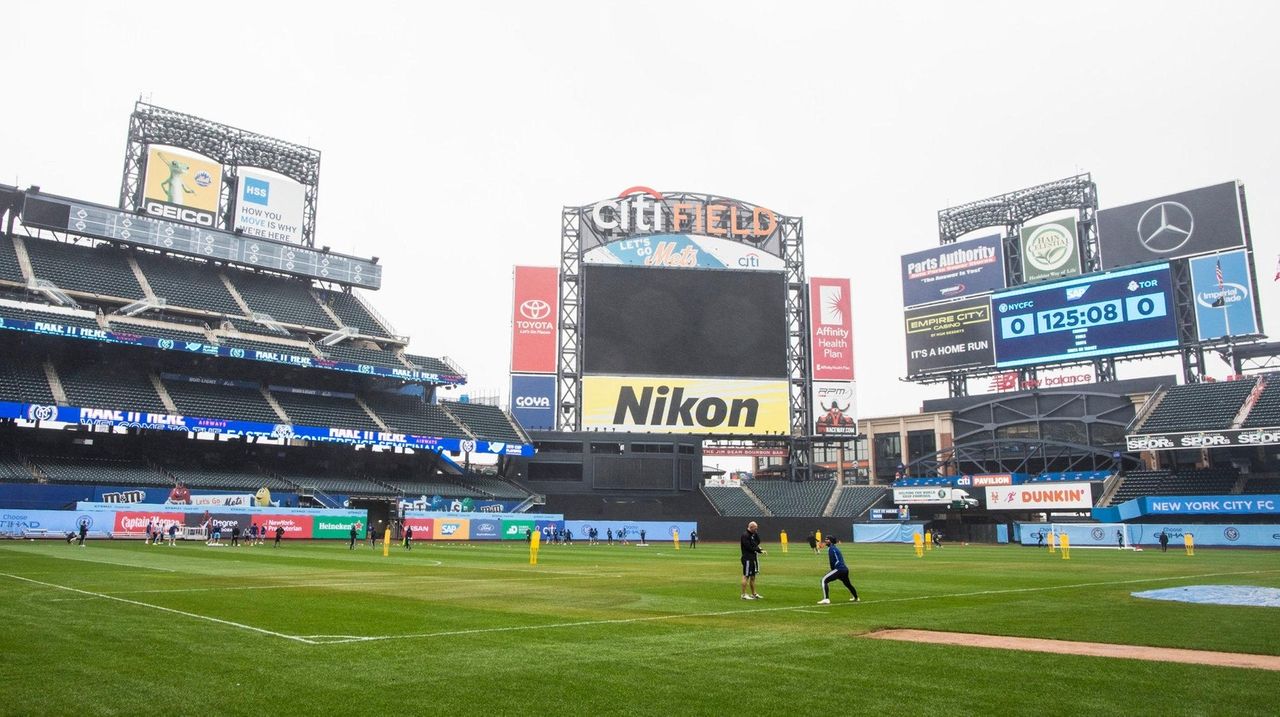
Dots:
(647, 212)
(175, 213)
(533, 402)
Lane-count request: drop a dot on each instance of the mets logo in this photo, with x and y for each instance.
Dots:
(468, 446)
(1097, 534)
(42, 413)
(1231, 534)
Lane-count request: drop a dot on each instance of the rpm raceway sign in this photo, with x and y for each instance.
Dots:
(1056, 496)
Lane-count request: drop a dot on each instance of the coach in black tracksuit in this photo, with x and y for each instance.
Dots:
(750, 561)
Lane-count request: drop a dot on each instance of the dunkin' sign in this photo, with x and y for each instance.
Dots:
(1037, 496)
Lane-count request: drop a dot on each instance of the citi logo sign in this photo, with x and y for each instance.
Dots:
(750, 261)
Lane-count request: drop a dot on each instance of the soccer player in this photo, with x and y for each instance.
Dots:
(839, 571)
(750, 561)
(84, 531)
(351, 545)
(279, 535)
(173, 533)
(610, 536)
(693, 539)
(408, 537)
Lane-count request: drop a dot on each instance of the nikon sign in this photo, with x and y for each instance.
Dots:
(685, 405)
(1050, 250)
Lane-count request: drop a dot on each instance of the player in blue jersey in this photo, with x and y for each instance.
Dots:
(839, 571)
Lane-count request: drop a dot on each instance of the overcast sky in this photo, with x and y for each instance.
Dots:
(452, 134)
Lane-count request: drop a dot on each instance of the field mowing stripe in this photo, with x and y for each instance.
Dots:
(402, 580)
(785, 608)
(220, 621)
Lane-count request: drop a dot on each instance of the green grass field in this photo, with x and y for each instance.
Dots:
(309, 628)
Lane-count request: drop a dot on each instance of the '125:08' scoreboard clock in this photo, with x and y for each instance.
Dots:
(1121, 312)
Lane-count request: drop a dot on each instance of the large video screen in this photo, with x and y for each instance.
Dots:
(678, 322)
(1120, 312)
(945, 337)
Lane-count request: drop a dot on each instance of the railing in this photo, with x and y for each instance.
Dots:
(378, 317)
(1147, 408)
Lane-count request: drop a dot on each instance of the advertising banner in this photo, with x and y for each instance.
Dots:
(655, 530)
(166, 422)
(1179, 225)
(513, 529)
(337, 527)
(1204, 439)
(15, 522)
(831, 324)
(640, 212)
(1050, 250)
(269, 206)
(834, 409)
(1215, 535)
(181, 187)
(533, 323)
(533, 401)
(744, 450)
(453, 528)
(952, 336)
(1034, 496)
(953, 271)
(1224, 296)
(296, 527)
(934, 494)
(686, 405)
(1212, 505)
(136, 521)
(982, 480)
(486, 529)
(1126, 311)
(684, 251)
(423, 528)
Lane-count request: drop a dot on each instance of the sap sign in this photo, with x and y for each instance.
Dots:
(533, 400)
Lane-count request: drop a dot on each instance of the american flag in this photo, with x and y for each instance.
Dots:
(1277, 268)
(1217, 271)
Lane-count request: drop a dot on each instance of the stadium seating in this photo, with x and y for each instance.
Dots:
(157, 332)
(495, 487)
(444, 489)
(102, 270)
(353, 313)
(220, 401)
(10, 270)
(293, 348)
(1198, 407)
(22, 380)
(429, 364)
(1263, 484)
(487, 422)
(793, 500)
(408, 414)
(245, 326)
(1213, 481)
(32, 313)
(199, 477)
(339, 485)
(186, 283)
(12, 469)
(330, 411)
(731, 501)
(855, 500)
(60, 469)
(288, 301)
(353, 354)
(1266, 412)
(118, 386)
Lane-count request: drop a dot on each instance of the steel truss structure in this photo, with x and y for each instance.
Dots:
(569, 357)
(1030, 456)
(231, 147)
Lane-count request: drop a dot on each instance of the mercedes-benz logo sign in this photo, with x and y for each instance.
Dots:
(535, 309)
(1166, 227)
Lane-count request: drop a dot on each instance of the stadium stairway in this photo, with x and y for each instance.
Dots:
(764, 509)
(24, 259)
(55, 383)
(373, 416)
(833, 500)
(275, 405)
(161, 391)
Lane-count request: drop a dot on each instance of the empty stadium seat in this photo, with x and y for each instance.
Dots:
(429, 364)
(187, 283)
(1266, 412)
(215, 400)
(12, 469)
(22, 380)
(348, 485)
(1262, 484)
(1198, 407)
(10, 270)
(102, 270)
(855, 500)
(355, 354)
(115, 386)
(731, 501)
(31, 312)
(1213, 481)
(59, 469)
(484, 421)
(288, 301)
(495, 487)
(199, 477)
(157, 332)
(409, 414)
(325, 411)
(793, 500)
(352, 311)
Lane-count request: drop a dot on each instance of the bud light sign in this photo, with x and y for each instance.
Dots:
(533, 401)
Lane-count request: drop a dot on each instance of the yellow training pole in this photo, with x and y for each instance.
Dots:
(784, 542)
(675, 538)
(928, 541)
(386, 541)
(1189, 541)
(1066, 547)
(1053, 539)
(919, 542)
(535, 541)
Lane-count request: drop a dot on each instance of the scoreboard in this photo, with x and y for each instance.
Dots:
(1119, 312)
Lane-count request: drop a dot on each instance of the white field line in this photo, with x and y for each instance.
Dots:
(792, 608)
(340, 639)
(401, 581)
(161, 608)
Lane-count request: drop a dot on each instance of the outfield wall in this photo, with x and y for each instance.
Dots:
(298, 523)
(442, 525)
(1148, 534)
(887, 532)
